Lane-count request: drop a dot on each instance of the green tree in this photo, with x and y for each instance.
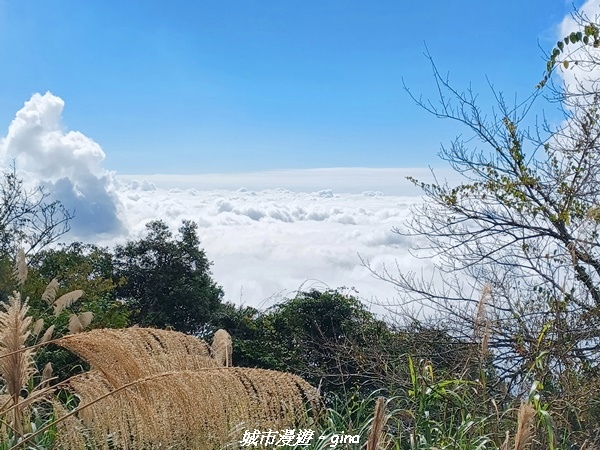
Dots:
(331, 339)
(75, 266)
(167, 282)
(80, 266)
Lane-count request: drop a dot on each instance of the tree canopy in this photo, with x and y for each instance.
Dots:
(167, 281)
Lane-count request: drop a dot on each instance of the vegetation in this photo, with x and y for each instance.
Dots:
(27, 218)
(143, 382)
(167, 282)
(102, 348)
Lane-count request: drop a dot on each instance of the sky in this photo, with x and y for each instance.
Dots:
(238, 86)
(282, 128)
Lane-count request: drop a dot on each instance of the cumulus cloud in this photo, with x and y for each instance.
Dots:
(281, 231)
(67, 163)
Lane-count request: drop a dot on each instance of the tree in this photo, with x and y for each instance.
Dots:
(81, 266)
(167, 282)
(332, 340)
(26, 217)
(75, 266)
(523, 226)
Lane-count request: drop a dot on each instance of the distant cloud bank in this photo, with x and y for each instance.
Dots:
(268, 233)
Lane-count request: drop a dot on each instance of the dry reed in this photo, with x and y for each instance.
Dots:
(482, 323)
(66, 300)
(379, 420)
(147, 389)
(222, 348)
(525, 423)
(20, 270)
(190, 409)
(129, 354)
(176, 395)
(16, 368)
(50, 292)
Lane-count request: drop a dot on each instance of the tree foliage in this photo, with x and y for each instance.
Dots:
(332, 340)
(167, 282)
(74, 267)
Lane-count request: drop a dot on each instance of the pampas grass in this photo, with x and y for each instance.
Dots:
(525, 422)
(20, 270)
(129, 354)
(77, 323)
(222, 348)
(47, 334)
(161, 389)
(379, 420)
(66, 300)
(16, 367)
(482, 325)
(50, 292)
(147, 388)
(17, 359)
(189, 409)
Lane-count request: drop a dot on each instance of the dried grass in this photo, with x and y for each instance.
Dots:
(191, 409)
(525, 423)
(147, 389)
(50, 292)
(222, 348)
(20, 270)
(66, 300)
(47, 372)
(18, 367)
(482, 323)
(379, 420)
(38, 326)
(161, 387)
(47, 334)
(129, 354)
(77, 323)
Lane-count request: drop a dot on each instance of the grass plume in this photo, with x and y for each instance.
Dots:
(379, 420)
(525, 424)
(16, 368)
(222, 348)
(66, 300)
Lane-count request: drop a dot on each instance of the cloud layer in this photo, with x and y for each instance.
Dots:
(273, 241)
(268, 233)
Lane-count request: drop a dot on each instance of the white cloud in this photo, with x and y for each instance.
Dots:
(272, 241)
(68, 164)
(323, 182)
(268, 237)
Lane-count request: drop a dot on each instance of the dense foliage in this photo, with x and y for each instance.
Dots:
(507, 353)
(167, 282)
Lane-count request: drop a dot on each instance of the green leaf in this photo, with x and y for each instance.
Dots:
(573, 37)
(566, 64)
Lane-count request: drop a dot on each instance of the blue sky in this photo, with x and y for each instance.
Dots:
(235, 86)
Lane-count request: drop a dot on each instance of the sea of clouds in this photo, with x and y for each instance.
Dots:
(268, 234)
